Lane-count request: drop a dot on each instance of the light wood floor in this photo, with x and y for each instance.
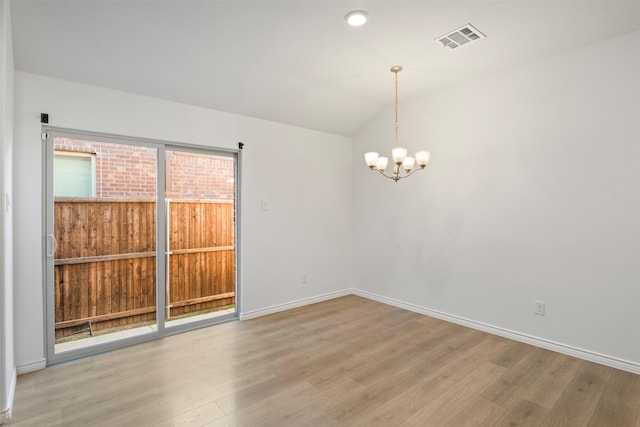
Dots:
(349, 361)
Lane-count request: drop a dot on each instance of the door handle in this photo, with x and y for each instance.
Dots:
(50, 245)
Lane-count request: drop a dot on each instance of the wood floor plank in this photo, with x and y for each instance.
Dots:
(511, 355)
(255, 393)
(414, 404)
(344, 362)
(51, 418)
(109, 406)
(523, 413)
(288, 406)
(548, 387)
(620, 401)
(612, 413)
(623, 389)
(517, 379)
(479, 412)
(578, 402)
(196, 416)
(445, 406)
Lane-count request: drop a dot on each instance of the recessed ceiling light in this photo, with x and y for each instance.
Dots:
(356, 18)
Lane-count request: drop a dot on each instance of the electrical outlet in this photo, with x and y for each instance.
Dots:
(305, 278)
(538, 308)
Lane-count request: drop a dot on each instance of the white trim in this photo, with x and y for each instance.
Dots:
(294, 304)
(580, 353)
(603, 359)
(5, 414)
(33, 366)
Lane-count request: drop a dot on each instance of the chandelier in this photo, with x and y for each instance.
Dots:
(403, 165)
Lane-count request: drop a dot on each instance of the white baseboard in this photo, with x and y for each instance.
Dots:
(580, 353)
(5, 414)
(33, 366)
(294, 304)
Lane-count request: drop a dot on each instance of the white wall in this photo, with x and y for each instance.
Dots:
(7, 363)
(305, 177)
(533, 193)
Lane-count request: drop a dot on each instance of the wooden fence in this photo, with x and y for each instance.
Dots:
(105, 260)
(202, 260)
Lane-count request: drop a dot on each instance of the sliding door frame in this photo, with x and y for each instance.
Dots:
(48, 135)
(235, 155)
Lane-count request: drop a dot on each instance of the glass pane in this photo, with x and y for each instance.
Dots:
(105, 247)
(200, 203)
(73, 175)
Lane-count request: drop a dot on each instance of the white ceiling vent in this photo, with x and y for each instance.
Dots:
(460, 37)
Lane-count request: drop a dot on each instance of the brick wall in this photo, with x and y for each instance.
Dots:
(130, 171)
(199, 177)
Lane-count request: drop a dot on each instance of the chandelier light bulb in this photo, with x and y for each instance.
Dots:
(381, 163)
(356, 18)
(371, 158)
(408, 164)
(398, 155)
(422, 158)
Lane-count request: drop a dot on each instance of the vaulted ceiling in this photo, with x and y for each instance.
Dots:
(296, 62)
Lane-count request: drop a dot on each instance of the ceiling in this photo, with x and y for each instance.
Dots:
(296, 62)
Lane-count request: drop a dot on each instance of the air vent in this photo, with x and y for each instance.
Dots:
(460, 37)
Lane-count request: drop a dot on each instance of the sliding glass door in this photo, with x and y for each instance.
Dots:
(200, 205)
(140, 241)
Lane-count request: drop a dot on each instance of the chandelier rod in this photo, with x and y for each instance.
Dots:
(396, 69)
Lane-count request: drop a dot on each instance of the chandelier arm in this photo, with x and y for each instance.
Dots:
(397, 177)
(409, 174)
(385, 175)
